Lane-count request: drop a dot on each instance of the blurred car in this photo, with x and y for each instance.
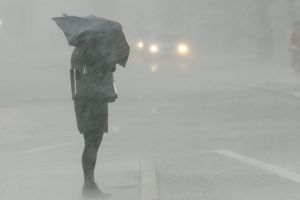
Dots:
(164, 51)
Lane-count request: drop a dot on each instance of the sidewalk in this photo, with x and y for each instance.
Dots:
(56, 174)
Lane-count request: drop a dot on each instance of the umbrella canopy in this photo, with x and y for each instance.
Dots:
(104, 36)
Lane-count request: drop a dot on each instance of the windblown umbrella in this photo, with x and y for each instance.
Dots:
(105, 35)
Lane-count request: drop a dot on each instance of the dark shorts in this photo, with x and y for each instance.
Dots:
(91, 115)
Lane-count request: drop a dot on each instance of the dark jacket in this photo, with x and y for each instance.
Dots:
(91, 113)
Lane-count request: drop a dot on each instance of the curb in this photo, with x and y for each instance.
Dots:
(149, 188)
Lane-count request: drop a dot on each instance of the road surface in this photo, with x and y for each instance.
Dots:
(215, 132)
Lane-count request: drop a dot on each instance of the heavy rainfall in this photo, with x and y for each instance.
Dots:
(207, 106)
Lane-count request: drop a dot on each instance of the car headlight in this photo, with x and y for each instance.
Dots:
(154, 68)
(140, 45)
(182, 49)
(153, 48)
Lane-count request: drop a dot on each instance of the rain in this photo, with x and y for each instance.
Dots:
(206, 106)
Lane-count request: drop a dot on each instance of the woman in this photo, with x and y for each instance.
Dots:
(92, 89)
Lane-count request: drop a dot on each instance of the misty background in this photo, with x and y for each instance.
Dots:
(35, 55)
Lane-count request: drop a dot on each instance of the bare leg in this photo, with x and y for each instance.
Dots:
(90, 189)
(92, 140)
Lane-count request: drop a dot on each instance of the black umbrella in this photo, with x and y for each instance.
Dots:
(106, 36)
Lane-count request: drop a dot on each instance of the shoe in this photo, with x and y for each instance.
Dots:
(92, 191)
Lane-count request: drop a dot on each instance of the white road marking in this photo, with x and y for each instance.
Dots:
(284, 173)
(149, 188)
(37, 149)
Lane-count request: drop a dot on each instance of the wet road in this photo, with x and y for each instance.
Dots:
(191, 121)
(214, 133)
